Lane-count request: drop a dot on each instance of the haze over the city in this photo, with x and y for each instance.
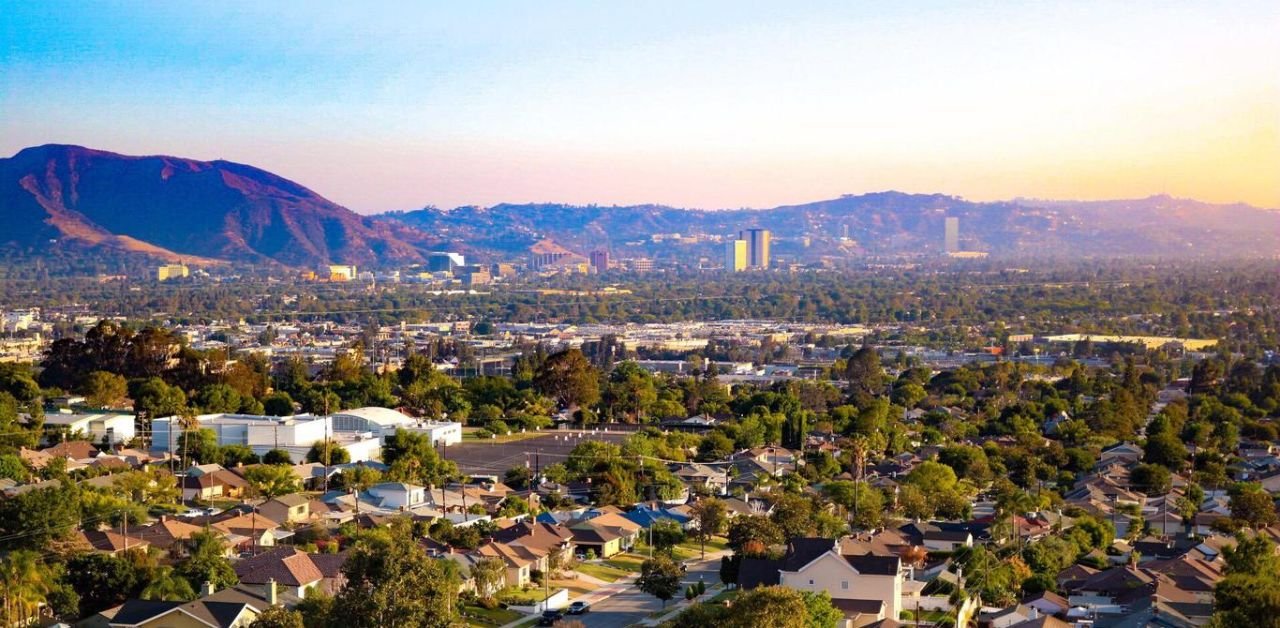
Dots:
(714, 105)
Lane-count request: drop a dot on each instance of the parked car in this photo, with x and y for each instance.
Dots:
(550, 618)
(579, 608)
(192, 513)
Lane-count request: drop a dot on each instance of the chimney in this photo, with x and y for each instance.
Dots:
(272, 598)
(207, 589)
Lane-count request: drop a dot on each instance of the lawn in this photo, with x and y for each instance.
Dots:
(690, 549)
(714, 544)
(481, 616)
(628, 562)
(575, 587)
(603, 572)
(520, 597)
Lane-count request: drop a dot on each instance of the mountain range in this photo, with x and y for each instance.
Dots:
(172, 208)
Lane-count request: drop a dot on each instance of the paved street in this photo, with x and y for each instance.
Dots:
(494, 458)
(630, 606)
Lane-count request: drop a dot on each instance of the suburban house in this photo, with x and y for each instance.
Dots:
(212, 483)
(229, 608)
(1124, 453)
(111, 542)
(542, 540)
(938, 536)
(627, 530)
(518, 560)
(169, 535)
(866, 587)
(287, 509)
(698, 476)
(288, 568)
(247, 531)
(71, 450)
(646, 515)
(398, 495)
(602, 541)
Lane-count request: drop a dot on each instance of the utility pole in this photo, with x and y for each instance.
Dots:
(254, 518)
(327, 422)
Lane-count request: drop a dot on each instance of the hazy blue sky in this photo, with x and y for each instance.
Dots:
(709, 104)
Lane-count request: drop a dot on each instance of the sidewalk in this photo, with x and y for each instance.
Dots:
(610, 589)
(679, 607)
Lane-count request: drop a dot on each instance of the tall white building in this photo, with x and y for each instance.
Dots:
(951, 235)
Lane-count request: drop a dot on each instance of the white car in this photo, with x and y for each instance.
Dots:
(193, 513)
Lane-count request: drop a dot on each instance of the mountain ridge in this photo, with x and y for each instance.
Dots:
(172, 208)
(890, 222)
(179, 207)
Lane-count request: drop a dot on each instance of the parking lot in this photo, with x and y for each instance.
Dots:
(494, 458)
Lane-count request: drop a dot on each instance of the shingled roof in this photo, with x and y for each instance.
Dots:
(288, 566)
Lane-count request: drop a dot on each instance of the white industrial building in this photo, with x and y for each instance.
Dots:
(114, 428)
(438, 432)
(294, 434)
(360, 431)
(380, 421)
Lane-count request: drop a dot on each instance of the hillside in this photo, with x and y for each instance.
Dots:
(889, 223)
(169, 208)
(71, 199)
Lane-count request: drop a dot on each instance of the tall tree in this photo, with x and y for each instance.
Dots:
(864, 374)
(488, 575)
(568, 378)
(165, 584)
(413, 458)
(775, 606)
(710, 516)
(102, 580)
(207, 562)
(660, 577)
(392, 582)
(25, 583)
(270, 480)
(105, 390)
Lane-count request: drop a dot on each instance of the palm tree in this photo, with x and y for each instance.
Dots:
(187, 421)
(169, 586)
(26, 582)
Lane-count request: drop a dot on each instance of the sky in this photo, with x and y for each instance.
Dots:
(386, 105)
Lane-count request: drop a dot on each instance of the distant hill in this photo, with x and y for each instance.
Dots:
(57, 199)
(887, 223)
(171, 208)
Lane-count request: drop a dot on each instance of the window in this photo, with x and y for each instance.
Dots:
(810, 583)
(844, 584)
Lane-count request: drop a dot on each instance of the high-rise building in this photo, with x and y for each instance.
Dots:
(342, 272)
(599, 260)
(951, 237)
(445, 262)
(735, 256)
(757, 247)
(172, 271)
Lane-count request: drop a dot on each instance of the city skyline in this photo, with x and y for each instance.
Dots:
(694, 107)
